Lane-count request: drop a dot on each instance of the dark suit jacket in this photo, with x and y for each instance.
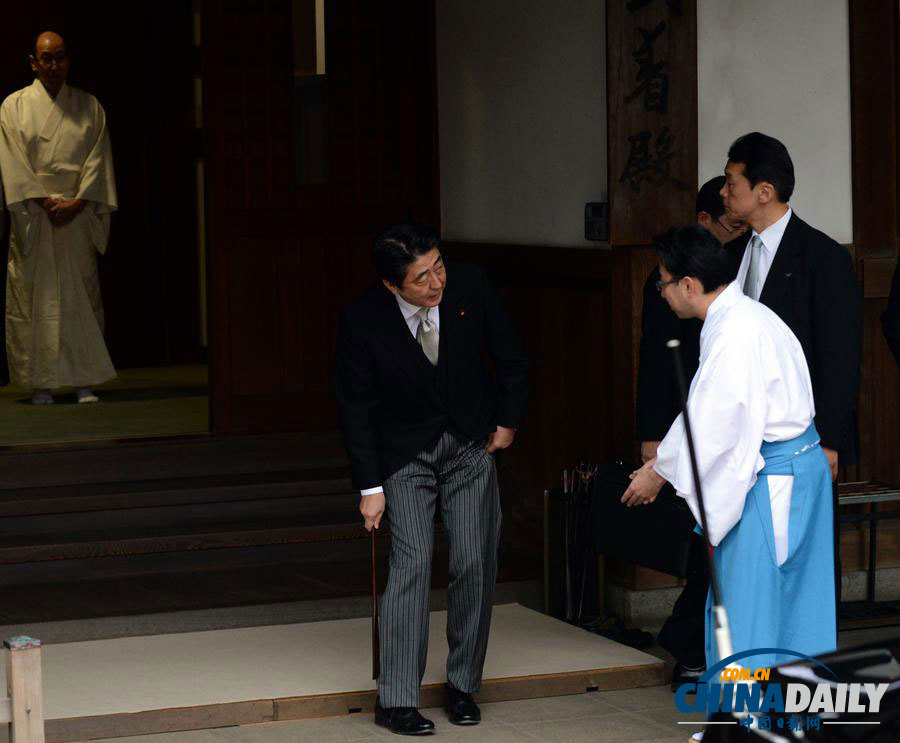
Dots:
(812, 288)
(890, 320)
(658, 396)
(393, 403)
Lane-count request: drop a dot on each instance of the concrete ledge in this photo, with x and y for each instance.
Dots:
(648, 608)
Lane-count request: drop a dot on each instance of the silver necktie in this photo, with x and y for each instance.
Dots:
(427, 336)
(751, 280)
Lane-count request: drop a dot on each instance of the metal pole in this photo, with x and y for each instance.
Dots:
(722, 629)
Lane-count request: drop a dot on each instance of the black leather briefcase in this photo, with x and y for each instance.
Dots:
(657, 535)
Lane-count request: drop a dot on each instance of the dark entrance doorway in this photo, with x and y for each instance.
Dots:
(140, 61)
(288, 245)
(227, 519)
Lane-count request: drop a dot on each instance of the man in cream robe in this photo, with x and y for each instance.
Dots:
(4, 367)
(56, 166)
(766, 481)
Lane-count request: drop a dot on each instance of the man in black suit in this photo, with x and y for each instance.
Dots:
(658, 404)
(422, 417)
(658, 397)
(807, 279)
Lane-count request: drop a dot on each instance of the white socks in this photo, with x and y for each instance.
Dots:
(43, 397)
(85, 395)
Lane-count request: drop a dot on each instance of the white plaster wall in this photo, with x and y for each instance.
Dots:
(522, 118)
(781, 67)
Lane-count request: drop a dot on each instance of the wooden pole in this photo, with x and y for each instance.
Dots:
(23, 683)
(376, 664)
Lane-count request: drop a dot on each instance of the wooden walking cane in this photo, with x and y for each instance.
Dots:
(376, 663)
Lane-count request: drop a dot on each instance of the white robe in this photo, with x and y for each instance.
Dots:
(54, 315)
(752, 385)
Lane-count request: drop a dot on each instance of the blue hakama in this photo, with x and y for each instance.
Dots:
(789, 605)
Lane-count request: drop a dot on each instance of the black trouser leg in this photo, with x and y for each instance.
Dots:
(683, 634)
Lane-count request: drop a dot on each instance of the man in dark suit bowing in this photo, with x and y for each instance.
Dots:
(422, 417)
(807, 279)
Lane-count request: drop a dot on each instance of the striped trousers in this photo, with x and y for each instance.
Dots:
(462, 478)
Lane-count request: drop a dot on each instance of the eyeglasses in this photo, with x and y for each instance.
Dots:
(47, 59)
(729, 228)
(660, 284)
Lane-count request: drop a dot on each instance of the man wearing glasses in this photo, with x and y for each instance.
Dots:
(658, 404)
(57, 172)
(766, 480)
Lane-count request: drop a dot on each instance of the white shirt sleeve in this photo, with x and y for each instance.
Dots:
(727, 410)
(371, 491)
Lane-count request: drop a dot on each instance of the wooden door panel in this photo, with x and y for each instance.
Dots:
(254, 317)
(285, 257)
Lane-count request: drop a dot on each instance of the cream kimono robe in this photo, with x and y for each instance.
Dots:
(54, 315)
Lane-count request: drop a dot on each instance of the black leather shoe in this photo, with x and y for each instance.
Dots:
(461, 709)
(685, 675)
(402, 720)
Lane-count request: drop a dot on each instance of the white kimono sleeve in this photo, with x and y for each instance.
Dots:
(97, 182)
(727, 408)
(19, 180)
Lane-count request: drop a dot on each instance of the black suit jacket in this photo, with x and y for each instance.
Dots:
(812, 288)
(393, 403)
(658, 396)
(890, 320)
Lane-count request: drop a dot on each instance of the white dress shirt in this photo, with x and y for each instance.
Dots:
(771, 239)
(409, 314)
(752, 385)
(412, 321)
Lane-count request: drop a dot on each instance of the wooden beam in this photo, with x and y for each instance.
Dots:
(875, 122)
(23, 683)
(652, 103)
(343, 703)
(653, 151)
(873, 85)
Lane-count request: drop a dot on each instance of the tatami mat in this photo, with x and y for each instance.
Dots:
(160, 675)
(158, 401)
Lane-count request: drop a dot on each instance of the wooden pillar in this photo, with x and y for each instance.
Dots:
(23, 683)
(875, 95)
(652, 149)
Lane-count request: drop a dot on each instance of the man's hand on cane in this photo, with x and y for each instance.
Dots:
(372, 509)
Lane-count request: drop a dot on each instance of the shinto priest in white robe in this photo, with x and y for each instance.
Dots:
(54, 315)
(766, 481)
